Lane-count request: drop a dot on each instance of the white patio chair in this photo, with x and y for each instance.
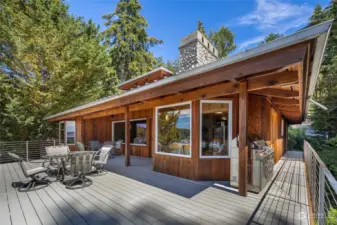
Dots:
(101, 158)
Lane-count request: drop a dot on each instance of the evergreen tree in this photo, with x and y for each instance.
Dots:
(317, 16)
(223, 40)
(201, 28)
(49, 61)
(271, 37)
(127, 40)
(326, 89)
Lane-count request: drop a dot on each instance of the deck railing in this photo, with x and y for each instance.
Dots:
(323, 187)
(28, 150)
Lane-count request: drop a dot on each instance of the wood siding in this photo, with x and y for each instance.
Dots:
(101, 129)
(265, 121)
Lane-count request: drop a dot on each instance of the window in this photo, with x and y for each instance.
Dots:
(137, 131)
(67, 132)
(215, 128)
(173, 130)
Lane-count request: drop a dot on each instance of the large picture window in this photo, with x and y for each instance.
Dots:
(67, 132)
(173, 130)
(137, 132)
(215, 128)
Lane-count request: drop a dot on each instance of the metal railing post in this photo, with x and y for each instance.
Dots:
(27, 151)
(54, 142)
(321, 211)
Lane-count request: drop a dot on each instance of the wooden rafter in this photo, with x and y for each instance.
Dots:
(285, 101)
(276, 92)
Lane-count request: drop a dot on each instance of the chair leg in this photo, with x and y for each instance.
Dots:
(32, 184)
(80, 182)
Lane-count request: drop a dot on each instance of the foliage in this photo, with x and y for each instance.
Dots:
(295, 138)
(332, 217)
(223, 40)
(168, 132)
(201, 28)
(271, 37)
(127, 40)
(49, 61)
(326, 88)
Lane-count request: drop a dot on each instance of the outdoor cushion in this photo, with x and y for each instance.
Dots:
(36, 171)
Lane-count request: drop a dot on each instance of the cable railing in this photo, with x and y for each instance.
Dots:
(29, 150)
(322, 187)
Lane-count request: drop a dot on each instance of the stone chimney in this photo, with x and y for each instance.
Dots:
(196, 50)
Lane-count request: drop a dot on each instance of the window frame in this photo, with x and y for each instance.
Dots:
(230, 128)
(282, 127)
(65, 131)
(123, 121)
(156, 130)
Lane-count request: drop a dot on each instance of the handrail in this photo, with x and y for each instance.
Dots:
(29, 150)
(322, 187)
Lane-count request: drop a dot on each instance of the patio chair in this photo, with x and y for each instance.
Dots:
(101, 158)
(94, 145)
(58, 156)
(81, 147)
(33, 174)
(80, 166)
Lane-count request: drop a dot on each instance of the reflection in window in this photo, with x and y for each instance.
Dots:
(174, 129)
(137, 132)
(215, 128)
(70, 132)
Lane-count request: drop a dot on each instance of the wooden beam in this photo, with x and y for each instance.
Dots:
(276, 92)
(127, 136)
(243, 149)
(253, 66)
(288, 108)
(282, 78)
(300, 85)
(79, 127)
(107, 112)
(285, 101)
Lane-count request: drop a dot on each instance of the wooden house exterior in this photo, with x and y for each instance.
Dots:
(260, 91)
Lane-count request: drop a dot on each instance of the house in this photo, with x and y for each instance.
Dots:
(195, 124)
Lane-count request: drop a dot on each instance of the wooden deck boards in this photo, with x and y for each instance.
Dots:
(115, 199)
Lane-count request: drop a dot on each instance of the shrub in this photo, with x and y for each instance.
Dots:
(295, 138)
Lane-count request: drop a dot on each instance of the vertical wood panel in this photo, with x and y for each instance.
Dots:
(127, 136)
(243, 150)
(79, 129)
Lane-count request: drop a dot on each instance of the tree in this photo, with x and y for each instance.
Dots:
(201, 28)
(223, 40)
(49, 61)
(326, 88)
(173, 65)
(127, 40)
(271, 37)
(317, 16)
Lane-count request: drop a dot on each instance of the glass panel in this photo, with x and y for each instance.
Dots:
(138, 132)
(119, 131)
(70, 132)
(214, 129)
(174, 130)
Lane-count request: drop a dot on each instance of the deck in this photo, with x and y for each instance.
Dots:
(123, 199)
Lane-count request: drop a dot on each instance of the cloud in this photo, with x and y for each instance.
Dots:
(244, 45)
(274, 16)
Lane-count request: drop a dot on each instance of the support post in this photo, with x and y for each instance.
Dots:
(321, 189)
(79, 129)
(27, 151)
(127, 136)
(243, 149)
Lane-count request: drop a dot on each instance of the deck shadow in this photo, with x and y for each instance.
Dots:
(141, 170)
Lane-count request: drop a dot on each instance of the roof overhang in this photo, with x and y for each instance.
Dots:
(320, 32)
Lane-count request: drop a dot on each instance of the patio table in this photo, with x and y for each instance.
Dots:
(61, 165)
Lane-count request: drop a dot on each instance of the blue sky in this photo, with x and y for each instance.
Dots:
(171, 20)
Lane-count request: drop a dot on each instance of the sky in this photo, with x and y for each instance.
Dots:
(170, 20)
